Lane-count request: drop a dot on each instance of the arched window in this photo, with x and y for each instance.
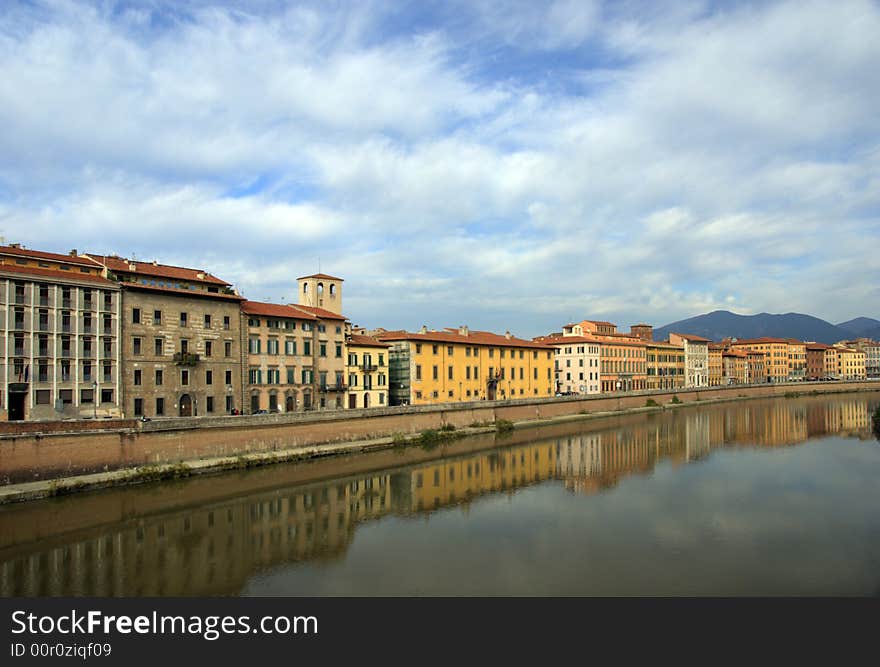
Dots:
(332, 289)
(320, 289)
(305, 288)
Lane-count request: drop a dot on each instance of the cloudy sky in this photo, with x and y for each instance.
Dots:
(506, 165)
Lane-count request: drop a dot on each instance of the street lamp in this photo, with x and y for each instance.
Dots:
(95, 397)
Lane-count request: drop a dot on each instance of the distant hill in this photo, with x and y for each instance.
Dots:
(721, 324)
(862, 327)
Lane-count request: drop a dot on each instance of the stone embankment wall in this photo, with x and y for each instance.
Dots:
(66, 449)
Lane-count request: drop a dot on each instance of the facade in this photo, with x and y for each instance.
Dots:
(455, 365)
(735, 367)
(296, 353)
(797, 360)
(716, 365)
(180, 339)
(624, 363)
(871, 348)
(755, 372)
(576, 363)
(643, 331)
(775, 351)
(665, 367)
(850, 363)
(821, 361)
(696, 358)
(367, 371)
(61, 331)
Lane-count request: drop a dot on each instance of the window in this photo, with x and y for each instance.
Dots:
(42, 396)
(226, 322)
(87, 396)
(449, 350)
(160, 407)
(182, 319)
(106, 396)
(159, 344)
(136, 345)
(307, 347)
(418, 372)
(209, 348)
(209, 404)
(157, 317)
(338, 350)
(137, 378)
(184, 377)
(159, 377)
(450, 373)
(272, 346)
(138, 407)
(184, 345)
(291, 377)
(135, 315)
(322, 328)
(228, 377)
(323, 350)
(209, 377)
(435, 373)
(435, 348)
(227, 348)
(418, 348)
(254, 345)
(207, 321)
(254, 376)
(289, 346)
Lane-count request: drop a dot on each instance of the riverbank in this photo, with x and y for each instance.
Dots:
(169, 450)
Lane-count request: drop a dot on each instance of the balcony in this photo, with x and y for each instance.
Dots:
(369, 368)
(186, 358)
(339, 386)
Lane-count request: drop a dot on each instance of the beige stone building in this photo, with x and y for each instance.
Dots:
(696, 358)
(181, 339)
(60, 321)
(296, 353)
(851, 363)
(735, 367)
(367, 371)
(577, 363)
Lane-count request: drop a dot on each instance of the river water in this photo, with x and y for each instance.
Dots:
(762, 497)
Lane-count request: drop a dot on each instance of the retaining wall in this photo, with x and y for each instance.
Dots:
(56, 452)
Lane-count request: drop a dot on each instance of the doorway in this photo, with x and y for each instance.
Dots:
(186, 406)
(366, 400)
(16, 406)
(290, 404)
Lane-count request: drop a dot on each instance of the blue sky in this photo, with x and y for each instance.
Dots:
(506, 165)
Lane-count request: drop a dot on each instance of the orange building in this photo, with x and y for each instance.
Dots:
(775, 351)
(716, 365)
(821, 361)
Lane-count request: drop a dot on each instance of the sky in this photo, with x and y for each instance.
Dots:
(504, 165)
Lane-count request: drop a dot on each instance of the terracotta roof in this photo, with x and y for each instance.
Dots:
(641, 325)
(692, 338)
(735, 353)
(38, 254)
(122, 265)
(818, 346)
(565, 340)
(472, 338)
(610, 324)
(366, 341)
(57, 274)
(196, 294)
(717, 346)
(323, 276)
(665, 344)
(759, 341)
(319, 312)
(274, 310)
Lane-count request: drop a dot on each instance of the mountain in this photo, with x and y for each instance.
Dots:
(721, 324)
(862, 326)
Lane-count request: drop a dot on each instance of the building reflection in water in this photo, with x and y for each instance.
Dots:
(213, 548)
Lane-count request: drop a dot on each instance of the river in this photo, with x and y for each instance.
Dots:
(759, 497)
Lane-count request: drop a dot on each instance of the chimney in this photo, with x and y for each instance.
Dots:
(200, 275)
(132, 266)
(15, 245)
(73, 253)
(463, 330)
(155, 262)
(507, 335)
(423, 330)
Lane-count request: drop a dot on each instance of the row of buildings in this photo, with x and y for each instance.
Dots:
(89, 336)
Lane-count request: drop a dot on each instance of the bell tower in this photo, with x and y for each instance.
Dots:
(321, 291)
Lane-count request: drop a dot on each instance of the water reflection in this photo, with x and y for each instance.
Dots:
(210, 536)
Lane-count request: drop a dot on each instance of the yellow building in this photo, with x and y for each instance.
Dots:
(367, 371)
(797, 360)
(664, 366)
(850, 364)
(454, 365)
(716, 365)
(776, 356)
